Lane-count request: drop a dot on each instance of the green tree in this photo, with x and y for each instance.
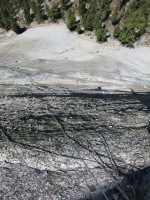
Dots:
(101, 35)
(104, 6)
(54, 13)
(33, 6)
(115, 17)
(27, 16)
(134, 26)
(5, 18)
(79, 30)
(82, 7)
(135, 21)
(88, 21)
(71, 20)
(97, 22)
(39, 12)
(26, 8)
(64, 4)
(15, 27)
(117, 31)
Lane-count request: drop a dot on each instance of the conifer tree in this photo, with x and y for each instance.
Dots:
(5, 18)
(71, 20)
(39, 14)
(115, 17)
(54, 13)
(117, 31)
(88, 21)
(33, 6)
(82, 7)
(101, 35)
(27, 16)
(26, 8)
(15, 27)
(64, 4)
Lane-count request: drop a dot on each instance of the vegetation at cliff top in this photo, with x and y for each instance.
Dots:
(129, 18)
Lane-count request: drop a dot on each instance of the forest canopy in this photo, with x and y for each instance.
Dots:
(129, 19)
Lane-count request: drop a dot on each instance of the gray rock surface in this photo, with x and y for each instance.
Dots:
(50, 136)
(59, 138)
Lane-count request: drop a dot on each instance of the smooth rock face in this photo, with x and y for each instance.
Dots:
(48, 132)
(52, 54)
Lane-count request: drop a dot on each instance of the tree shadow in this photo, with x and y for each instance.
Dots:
(22, 30)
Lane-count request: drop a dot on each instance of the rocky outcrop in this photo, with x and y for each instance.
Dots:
(58, 143)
